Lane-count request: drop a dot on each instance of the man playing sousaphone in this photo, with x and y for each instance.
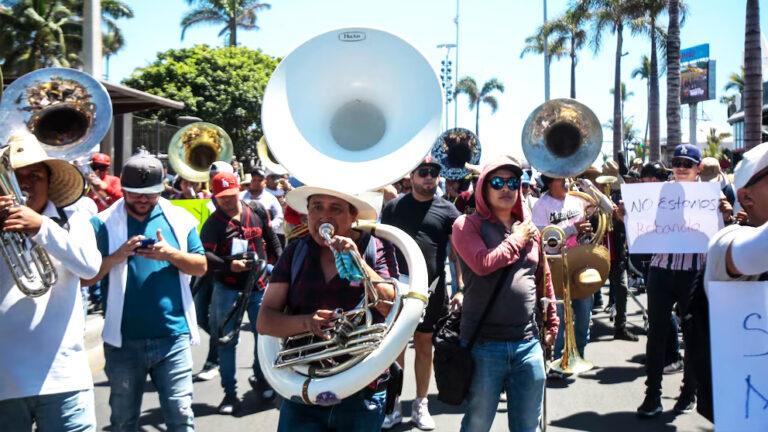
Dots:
(45, 378)
(306, 289)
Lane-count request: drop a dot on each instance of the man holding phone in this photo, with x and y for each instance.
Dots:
(150, 319)
(233, 236)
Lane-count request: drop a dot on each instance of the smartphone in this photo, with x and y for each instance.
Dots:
(145, 243)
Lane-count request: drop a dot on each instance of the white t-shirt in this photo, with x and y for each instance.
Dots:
(564, 213)
(41, 339)
(716, 257)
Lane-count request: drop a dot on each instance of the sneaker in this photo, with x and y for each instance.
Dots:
(623, 334)
(264, 390)
(674, 367)
(229, 405)
(685, 403)
(395, 417)
(209, 372)
(557, 375)
(651, 406)
(420, 415)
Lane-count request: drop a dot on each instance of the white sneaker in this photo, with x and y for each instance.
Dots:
(420, 415)
(394, 418)
(208, 373)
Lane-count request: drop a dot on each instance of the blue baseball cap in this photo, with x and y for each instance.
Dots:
(688, 151)
(525, 179)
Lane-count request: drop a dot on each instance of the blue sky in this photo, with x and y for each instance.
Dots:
(492, 34)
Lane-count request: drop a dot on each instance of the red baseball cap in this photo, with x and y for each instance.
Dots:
(225, 184)
(101, 159)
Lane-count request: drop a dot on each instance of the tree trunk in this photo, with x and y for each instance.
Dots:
(618, 121)
(233, 33)
(573, 68)
(753, 82)
(477, 119)
(653, 103)
(673, 76)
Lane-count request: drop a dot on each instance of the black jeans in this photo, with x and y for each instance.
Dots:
(617, 278)
(665, 288)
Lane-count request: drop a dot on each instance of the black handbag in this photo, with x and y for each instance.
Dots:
(452, 362)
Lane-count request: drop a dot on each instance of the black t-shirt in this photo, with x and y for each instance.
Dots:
(220, 230)
(430, 223)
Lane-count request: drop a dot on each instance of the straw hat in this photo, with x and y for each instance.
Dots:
(367, 204)
(65, 185)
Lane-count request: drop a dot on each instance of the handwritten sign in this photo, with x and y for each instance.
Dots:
(738, 322)
(671, 217)
(198, 207)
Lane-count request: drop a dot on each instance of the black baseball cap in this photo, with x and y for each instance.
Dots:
(142, 174)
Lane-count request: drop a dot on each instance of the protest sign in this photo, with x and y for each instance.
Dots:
(738, 322)
(673, 217)
(198, 208)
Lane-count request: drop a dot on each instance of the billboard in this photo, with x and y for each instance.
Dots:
(697, 75)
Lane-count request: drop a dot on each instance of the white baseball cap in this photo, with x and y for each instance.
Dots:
(754, 161)
(220, 167)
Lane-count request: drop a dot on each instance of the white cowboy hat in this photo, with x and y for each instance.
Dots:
(65, 184)
(367, 204)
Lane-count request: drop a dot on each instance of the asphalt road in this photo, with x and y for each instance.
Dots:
(604, 399)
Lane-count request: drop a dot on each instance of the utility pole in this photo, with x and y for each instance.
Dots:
(447, 78)
(456, 67)
(546, 58)
(92, 38)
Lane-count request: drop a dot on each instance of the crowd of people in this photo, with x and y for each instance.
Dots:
(160, 277)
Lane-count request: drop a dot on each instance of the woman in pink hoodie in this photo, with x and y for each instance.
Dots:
(507, 354)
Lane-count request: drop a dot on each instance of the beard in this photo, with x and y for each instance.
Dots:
(424, 190)
(132, 208)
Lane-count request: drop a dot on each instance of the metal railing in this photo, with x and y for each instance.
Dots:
(152, 136)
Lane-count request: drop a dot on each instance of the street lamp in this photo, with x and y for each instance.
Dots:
(446, 77)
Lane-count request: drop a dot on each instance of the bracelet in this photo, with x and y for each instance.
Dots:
(460, 288)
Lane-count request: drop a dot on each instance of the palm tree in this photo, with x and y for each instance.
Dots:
(674, 132)
(37, 34)
(534, 44)
(233, 14)
(648, 24)
(753, 82)
(568, 30)
(714, 140)
(111, 43)
(735, 82)
(613, 16)
(468, 86)
(644, 73)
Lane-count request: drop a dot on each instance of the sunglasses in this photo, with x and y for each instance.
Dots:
(497, 183)
(683, 163)
(97, 167)
(432, 172)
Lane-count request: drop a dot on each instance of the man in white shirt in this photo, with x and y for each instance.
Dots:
(45, 377)
(269, 201)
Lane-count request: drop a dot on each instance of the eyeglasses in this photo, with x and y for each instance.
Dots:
(497, 183)
(97, 167)
(138, 197)
(432, 172)
(683, 163)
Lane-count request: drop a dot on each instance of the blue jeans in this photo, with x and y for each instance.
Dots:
(356, 413)
(60, 412)
(582, 315)
(517, 367)
(223, 300)
(168, 361)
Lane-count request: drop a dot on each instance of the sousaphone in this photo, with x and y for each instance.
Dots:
(195, 147)
(455, 149)
(351, 110)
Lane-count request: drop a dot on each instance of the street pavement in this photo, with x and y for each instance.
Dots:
(604, 399)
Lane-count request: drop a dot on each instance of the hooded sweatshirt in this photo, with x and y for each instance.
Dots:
(486, 248)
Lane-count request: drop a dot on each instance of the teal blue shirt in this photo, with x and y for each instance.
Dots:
(152, 306)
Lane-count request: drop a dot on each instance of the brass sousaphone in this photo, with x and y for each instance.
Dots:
(69, 112)
(195, 147)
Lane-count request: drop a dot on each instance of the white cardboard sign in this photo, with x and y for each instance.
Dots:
(672, 217)
(738, 322)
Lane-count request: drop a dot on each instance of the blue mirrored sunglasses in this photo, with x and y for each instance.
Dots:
(498, 183)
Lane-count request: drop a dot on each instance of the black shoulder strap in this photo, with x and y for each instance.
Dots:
(62, 220)
(299, 254)
(259, 210)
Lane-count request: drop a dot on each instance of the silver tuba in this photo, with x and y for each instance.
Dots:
(68, 112)
(351, 110)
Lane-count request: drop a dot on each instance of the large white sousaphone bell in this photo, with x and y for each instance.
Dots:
(346, 108)
(352, 110)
